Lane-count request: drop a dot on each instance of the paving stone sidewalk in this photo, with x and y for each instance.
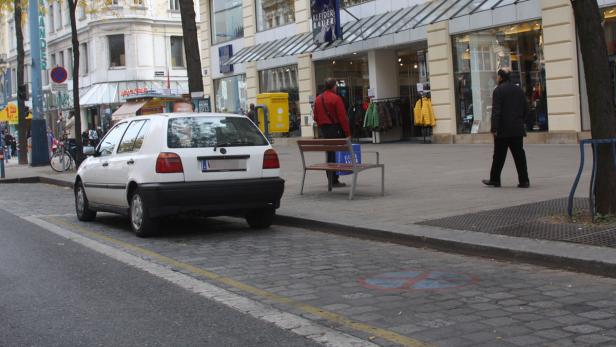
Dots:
(423, 183)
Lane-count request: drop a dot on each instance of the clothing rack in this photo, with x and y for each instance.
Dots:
(388, 99)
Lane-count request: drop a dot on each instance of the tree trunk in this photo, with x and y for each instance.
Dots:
(191, 46)
(72, 6)
(592, 43)
(22, 88)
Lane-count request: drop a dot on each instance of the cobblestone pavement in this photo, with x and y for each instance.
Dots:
(438, 298)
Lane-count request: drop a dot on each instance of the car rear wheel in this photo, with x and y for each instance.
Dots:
(260, 218)
(140, 220)
(82, 207)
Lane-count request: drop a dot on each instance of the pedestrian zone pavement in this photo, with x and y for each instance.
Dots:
(434, 197)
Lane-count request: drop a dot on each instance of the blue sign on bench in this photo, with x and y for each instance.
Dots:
(345, 157)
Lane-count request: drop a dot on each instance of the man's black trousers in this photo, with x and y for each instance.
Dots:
(516, 145)
(331, 131)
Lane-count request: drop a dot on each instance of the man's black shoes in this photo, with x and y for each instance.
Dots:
(524, 185)
(491, 183)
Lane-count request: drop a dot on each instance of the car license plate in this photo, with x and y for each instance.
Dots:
(213, 165)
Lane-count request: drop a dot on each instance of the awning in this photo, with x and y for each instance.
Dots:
(389, 23)
(129, 109)
(101, 94)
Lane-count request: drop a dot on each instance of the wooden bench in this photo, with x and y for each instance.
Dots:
(337, 145)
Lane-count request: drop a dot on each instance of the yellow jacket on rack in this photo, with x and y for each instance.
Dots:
(423, 114)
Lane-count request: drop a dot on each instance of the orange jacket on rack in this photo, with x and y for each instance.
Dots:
(423, 114)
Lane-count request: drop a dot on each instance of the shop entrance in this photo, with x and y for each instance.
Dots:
(353, 82)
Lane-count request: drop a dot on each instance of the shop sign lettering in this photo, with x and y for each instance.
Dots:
(325, 21)
(42, 35)
(136, 91)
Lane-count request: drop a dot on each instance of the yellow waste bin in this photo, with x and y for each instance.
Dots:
(278, 107)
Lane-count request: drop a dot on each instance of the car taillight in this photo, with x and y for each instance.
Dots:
(270, 160)
(169, 163)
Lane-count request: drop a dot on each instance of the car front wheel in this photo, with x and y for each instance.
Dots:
(140, 220)
(261, 218)
(82, 207)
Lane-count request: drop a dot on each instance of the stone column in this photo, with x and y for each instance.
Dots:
(561, 65)
(440, 65)
(302, 15)
(307, 88)
(206, 34)
(250, 30)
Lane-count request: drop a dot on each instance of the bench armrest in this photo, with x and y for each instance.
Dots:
(378, 155)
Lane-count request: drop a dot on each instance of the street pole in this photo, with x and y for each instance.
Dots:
(38, 129)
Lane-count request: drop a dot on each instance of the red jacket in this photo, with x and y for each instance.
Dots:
(337, 113)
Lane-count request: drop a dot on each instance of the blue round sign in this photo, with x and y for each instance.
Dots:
(417, 280)
(59, 74)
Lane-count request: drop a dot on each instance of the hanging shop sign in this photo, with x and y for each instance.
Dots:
(42, 35)
(325, 21)
(225, 53)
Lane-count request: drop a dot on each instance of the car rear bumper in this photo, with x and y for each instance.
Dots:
(212, 198)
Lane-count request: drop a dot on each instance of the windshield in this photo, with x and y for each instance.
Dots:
(201, 132)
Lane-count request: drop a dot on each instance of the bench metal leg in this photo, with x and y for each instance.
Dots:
(330, 178)
(301, 192)
(352, 193)
(383, 180)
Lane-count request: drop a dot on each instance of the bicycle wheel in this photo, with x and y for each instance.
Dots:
(60, 161)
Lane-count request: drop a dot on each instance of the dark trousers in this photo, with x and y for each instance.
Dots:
(516, 145)
(331, 131)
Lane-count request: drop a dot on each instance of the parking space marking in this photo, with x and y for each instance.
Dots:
(230, 282)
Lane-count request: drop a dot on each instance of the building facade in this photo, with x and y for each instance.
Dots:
(130, 47)
(397, 51)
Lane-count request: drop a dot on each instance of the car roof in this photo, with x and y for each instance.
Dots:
(185, 114)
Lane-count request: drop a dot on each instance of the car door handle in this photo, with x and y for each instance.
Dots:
(130, 162)
(105, 164)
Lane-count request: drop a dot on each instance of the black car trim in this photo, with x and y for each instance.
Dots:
(223, 157)
(105, 186)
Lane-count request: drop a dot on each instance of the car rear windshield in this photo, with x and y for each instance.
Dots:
(201, 132)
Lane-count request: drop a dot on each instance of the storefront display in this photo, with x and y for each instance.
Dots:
(231, 94)
(477, 58)
(274, 13)
(283, 80)
(227, 20)
(353, 84)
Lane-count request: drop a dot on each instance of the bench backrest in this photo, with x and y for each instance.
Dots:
(326, 145)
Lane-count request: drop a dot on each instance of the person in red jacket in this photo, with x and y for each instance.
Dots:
(331, 118)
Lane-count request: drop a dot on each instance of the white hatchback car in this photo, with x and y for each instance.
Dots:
(148, 167)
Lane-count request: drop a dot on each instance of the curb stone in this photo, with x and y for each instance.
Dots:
(557, 255)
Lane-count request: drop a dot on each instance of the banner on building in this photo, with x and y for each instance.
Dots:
(325, 21)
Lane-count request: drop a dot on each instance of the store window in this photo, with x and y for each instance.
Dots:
(227, 20)
(477, 58)
(177, 51)
(349, 3)
(117, 55)
(231, 94)
(283, 80)
(274, 13)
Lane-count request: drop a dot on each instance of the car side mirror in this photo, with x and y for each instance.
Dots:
(89, 151)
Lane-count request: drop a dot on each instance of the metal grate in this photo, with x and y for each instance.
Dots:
(533, 221)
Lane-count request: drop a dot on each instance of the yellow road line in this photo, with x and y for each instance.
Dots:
(330, 316)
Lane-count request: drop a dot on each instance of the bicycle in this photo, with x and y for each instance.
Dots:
(62, 160)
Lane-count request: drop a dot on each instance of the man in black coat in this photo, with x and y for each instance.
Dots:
(509, 114)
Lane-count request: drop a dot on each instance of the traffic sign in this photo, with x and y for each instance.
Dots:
(59, 74)
(59, 87)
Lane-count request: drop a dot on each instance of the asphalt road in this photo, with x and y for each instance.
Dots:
(54, 292)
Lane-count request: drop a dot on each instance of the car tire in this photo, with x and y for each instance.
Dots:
(261, 218)
(140, 221)
(82, 207)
